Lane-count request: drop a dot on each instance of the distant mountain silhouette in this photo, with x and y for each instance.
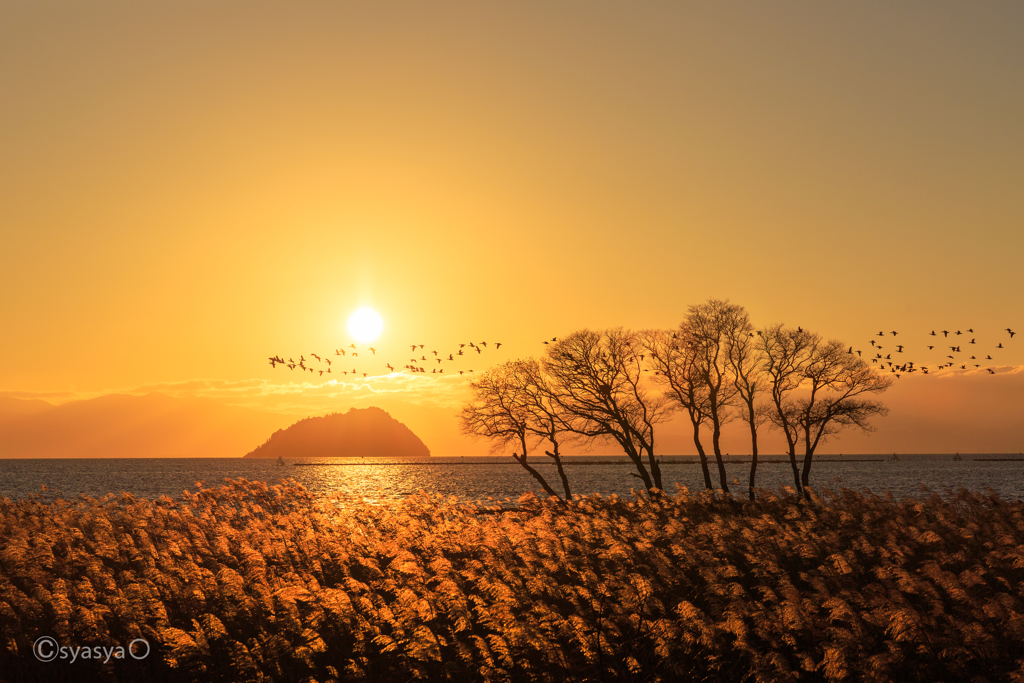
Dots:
(12, 409)
(361, 432)
(125, 426)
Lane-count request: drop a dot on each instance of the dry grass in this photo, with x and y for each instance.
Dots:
(250, 582)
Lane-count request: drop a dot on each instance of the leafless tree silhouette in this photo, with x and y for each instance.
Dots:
(709, 327)
(786, 352)
(502, 411)
(837, 383)
(547, 420)
(818, 388)
(597, 381)
(746, 365)
(673, 358)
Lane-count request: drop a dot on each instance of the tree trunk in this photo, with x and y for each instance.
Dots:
(655, 470)
(521, 459)
(753, 448)
(716, 434)
(702, 454)
(558, 464)
(536, 475)
(805, 475)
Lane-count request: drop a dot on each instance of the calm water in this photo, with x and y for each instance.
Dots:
(479, 478)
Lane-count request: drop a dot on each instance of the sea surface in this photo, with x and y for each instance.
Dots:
(499, 478)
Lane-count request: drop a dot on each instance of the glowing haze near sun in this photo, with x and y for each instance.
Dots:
(365, 324)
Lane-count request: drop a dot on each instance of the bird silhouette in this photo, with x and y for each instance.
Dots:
(373, 350)
(497, 345)
(945, 333)
(1011, 332)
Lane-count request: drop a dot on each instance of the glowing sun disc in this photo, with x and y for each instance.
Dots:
(365, 324)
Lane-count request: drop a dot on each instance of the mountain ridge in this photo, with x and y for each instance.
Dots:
(360, 432)
(126, 425)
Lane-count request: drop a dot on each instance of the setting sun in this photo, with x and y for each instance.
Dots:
(365, 324)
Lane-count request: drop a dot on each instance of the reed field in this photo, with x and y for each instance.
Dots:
(250, 582)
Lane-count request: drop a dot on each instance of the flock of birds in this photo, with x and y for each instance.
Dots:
(975, 356)
(325, 364)
(894, 361)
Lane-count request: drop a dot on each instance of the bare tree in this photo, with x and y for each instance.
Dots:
(786, 352)
(501, 411)
(746, 363)
(673, 358)
(818, 388)
(837, 383)
(709, 327)
(597, 382)
(547, 420)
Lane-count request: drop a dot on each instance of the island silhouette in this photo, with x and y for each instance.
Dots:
(361, 432)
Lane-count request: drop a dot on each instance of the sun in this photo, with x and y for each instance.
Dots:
(365, 324)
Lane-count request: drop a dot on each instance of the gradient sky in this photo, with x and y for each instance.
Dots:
(189, 187)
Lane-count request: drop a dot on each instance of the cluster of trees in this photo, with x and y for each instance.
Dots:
(617, 385)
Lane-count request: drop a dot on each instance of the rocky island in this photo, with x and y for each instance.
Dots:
(361, 432)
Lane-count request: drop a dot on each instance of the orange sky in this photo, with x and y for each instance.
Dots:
(189, 187)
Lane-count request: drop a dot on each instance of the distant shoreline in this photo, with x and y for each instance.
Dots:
(567, 462)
